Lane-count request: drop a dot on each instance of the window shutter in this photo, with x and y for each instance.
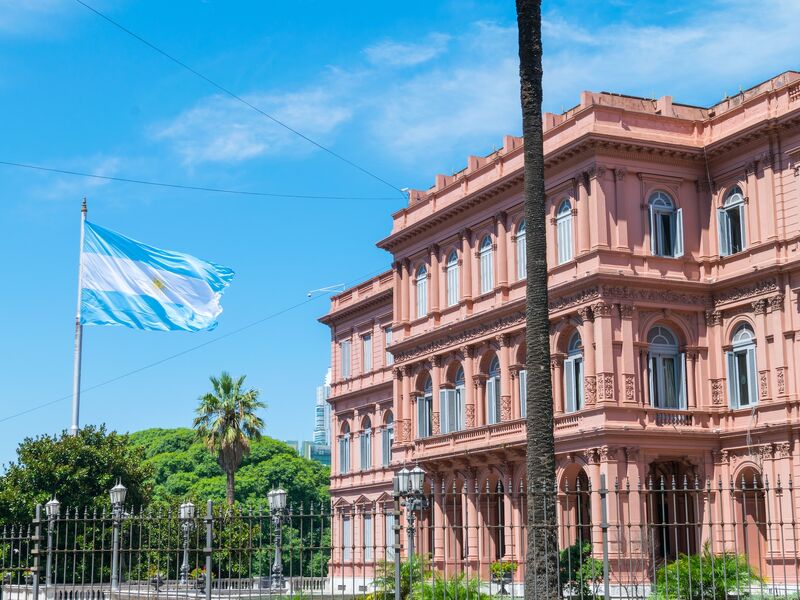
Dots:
(680, 384)
(752, 375)
(653, 232)
(724, 232)
(420, 418)
(569, 385)
(651, 368)
(579, 386)
(733, 396)
(743, 226)
(444, 411)
(521, 257)
(678, 232)
(523, 393)
(458, 395)
(490, 401)
(385, 446)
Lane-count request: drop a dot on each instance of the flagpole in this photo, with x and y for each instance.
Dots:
(76, 371)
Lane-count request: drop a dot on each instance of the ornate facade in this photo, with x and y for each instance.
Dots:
(674, 253)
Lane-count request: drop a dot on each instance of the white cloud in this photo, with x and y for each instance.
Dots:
(407, 54)
(26, 16)
(72, 187)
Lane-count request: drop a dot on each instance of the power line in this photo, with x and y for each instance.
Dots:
(236, 97)
(196, 188)
(177, 354)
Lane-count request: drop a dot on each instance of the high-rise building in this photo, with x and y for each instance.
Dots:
(322, 413)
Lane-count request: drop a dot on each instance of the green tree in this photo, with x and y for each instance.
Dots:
(226, 421)
(542, 557)
(79, 470)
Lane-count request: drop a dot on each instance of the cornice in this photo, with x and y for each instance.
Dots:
(359, 306)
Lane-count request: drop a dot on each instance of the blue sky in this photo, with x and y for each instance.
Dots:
(404, 90)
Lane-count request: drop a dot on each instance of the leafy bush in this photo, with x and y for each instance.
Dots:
(502, 568)
(704, 576)
(579, 571)
(457, 587)
(412, 570)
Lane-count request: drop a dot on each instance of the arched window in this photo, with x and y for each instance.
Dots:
(485, 254)
(522, 254)
(344, 450)
(666, 226)
(564, 232)
(452, 279)
(730, 220)
(425, 410)
(422, 291)
(387, 439)
(451, 401)
(493, 393)
(742, 371)
(573, 375)
(366, 444)
(667, 369)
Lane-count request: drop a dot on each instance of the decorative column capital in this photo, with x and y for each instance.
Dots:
(479, 379)
(601, 309)
(592, 456)
(632, 453)
(556, 361)
(759, 306)
(437, 360)
(585, 313)
(503, 340)
(468, 351)
(619, 174)
(626, 311)
(776, 302)
(713, 317)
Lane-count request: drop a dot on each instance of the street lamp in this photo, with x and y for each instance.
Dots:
(53, 510)
(186, 516)
(409, 485)
(277, 508)
(117, 494)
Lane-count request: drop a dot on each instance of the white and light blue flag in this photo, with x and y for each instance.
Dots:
(125, 282)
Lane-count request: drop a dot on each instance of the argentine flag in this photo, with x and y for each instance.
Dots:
(125, 282)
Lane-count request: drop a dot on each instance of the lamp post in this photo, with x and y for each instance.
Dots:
(410, 487)
(277, 508)
(187, 524)
(53, 509)
(117, 494)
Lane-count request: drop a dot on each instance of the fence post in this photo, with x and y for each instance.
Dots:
(37, 536)
(209, 545)
(604, 528)
(397, 528)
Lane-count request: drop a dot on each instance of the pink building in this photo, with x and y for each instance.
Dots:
(674, 250)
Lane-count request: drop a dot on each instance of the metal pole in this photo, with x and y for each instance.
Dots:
(410, 528)
(115, 548)
(604, 528)
(396, 545)
(76, 367)
(37, 522)
(277, 564)
(49, 567)
(185, 566)
(209, 545)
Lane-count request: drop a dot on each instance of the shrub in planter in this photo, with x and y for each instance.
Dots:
(457, 587)
(578, 571)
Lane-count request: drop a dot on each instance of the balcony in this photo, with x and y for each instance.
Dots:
(485, 437)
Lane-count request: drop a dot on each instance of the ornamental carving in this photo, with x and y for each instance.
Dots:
(632, 454)
(763, 383)
(766, 452)
(716, 391)
(625, 311)
(739, 293)
(406, 430)
(605, 386)
(586, 314)
(601, 309)
(590, 388)
(750, 168)
(776, 302)
(759, 306)
(654, 296)
(556, 362)
(505, 408)
(470, 415)
(591, 455)
(580, 297)
(435, 424)
(629, 387)
(713, 317)
(781, 376)
(783, 449)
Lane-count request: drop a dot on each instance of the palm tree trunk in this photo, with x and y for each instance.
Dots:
(541, 577)
(230, 487)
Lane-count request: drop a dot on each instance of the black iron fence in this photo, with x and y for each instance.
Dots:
(668, 537)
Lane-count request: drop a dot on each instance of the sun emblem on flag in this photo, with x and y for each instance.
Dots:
(159, 285)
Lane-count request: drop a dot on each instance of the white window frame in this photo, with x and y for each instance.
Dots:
(564, 230)
(573, 375)
(425, 411)
(365, 447)
(366, 352)
(662, 211)
(523, 392)
(486, 261)
(345, 356)
(387, 440)
(659, 353)
(388, 536)
(344, 453)
(452, 279)
(493, 408)
(743, 350)
(387, 341)
(522, 252)
(422, 291)
(369, 537)
(347, 538)
(727, 230)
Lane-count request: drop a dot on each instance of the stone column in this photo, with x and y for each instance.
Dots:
(472, 518)
(502, 252)
(438, 520)
(403, 292)
(479, 387)
(516, 406)
(397, 297)
(434, 275)
(775, 309)
(505, 378)
(587, 337)
(508, 517)
(626, 314)
(397, 403)
(762, 359)
(408, 291)
(466, 267)
(436, 379)
(636, 502)
(752, 217)
(403, 430)
(582, 234)
(621, 210)
(691, 379)
(557, 368)
(593, 472)
(604, 352)
(600, 212)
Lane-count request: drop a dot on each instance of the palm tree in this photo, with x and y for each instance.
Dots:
(541, 577)
(227, 422)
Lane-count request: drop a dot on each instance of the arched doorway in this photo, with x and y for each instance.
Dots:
(671, 508)
(576, 511)
(751, 517)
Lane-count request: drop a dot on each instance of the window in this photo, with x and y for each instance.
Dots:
(425, 410)
(452, 279)
(344, 348)
(344, 450)
(389, 537)
(366, 352)
(730, 220)
(369, 540)
(666, 226)
(493, 393)
(347, 539)
(451, 402)
(523, 393)
(573, 375)
(667, 370)
(522, 255)
(422, 291)
(387, 341)
(564, 232)
(366, 445)
(487, 267)
(742, 368)
(387, 439)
